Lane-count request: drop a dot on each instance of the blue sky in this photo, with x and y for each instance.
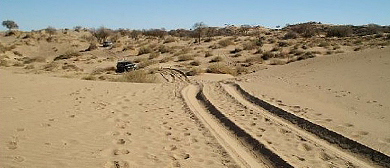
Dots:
(172, 14)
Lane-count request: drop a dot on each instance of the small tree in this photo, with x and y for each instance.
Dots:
(50, 30)
(101, 33)
(199, 29)
(9, 24)
(77, 28)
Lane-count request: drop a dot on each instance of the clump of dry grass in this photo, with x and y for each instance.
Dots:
(275, 61)
(194, 71)
(68, 54)
(89, 77)
(267, 55)
(236, 50)
(169, 40)
(92, 46)
(128, 47)
(221, 69)
(50, 66)
(146, 63)
(4, 63)
(28, 60)
(137, 76)
(145, 50)
(185, 58)
(254, 59)
(164, 49)
(216, 59)
(225, 42)
(18, 64)
(154, 55)
(107, 70)
(71, 67)
(195, 63)
(183, 51)
(208, 54)
(166, 59)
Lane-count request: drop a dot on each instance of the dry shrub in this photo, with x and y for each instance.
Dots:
(249, 45)
(290, 35)
(216, 59)
(107, 70)
(237, 55)
(221, 69)
(169, 40)
(254, 59)
(50, 66)
(31, 66)
(208, 54)
(296, 52)
(259, 51)
(128, 47)
(92, 46)
(68, 54)
(339, 31)
(276, 48)
(18, 64)
(283, 44)
(329, 52)
(306, 56)
(166, 59)
(4, 63)
(146, 63)
(138, 60)
(275, 61)
(154, 55)
(17, 53)
(89, 38)
(89, 77)
(267, 55)
(324, 44)
(183, 51)
(185, 58)
(137, 76)
(27, 60)
(145, 50)
(194, 71)
(225, 42)
(195, 63)
(164, 49)
(236, 50)
(71, 67)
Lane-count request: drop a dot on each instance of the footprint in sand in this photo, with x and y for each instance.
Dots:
(19, 129)
(304, 147)
(120, 152)
(117, 164)
(324, 156)
(347, 125)
(12, 145)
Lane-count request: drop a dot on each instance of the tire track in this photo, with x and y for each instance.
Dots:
(338, 141)
(246, 150)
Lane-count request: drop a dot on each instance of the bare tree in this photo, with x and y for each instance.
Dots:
(9, 24)
(101, 33)
(199, 29)
(50, 30)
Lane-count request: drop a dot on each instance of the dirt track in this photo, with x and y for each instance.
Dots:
(266, 139)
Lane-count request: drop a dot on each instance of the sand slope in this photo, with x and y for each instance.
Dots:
(348, 93)
(58, 122)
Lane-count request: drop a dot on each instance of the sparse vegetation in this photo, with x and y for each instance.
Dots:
(220, 68)
(145, 50)
(68, 54)
(137, 76)
(185, 58)
(216, 59)
(225, 42)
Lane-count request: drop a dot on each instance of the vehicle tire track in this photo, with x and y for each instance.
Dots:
(246, 150)
(342, 143)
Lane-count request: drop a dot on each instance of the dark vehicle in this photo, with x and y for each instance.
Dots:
(124, 66)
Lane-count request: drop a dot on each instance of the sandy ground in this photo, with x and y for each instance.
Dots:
(348, 93)
(58, 122)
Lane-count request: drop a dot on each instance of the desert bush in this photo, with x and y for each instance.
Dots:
(339, 31)
(267, 55)
(138, 60)
(71, 67)
(89, 77)
(164, 49)
(101, 33)
(276, 48)
(208, 54)
(324, 44)
(166, 59)
(146, 63)
(329, 52)
(92, 46)
(225, 42)
(185, 58)
(283, 44)
(275, 61)
(254, 59)
(296, 52)
(154, 55)
(195, 63)
(216, 59)
(89, 38)
(50, 30)
(137, 76)
(50, 66)
(306, 56)
(194, 71)
(28, 60)
(4, 63)
(68, 54)
(183, 51)
(128, 47)
(221, 69)
(107, 70)
(236, 50)
(31, 66)
(306, 30)
(18, 64)
(290, 35)
(169, 40)
(259, 51)
(249, 45)
(237, 55)
(145, 50)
